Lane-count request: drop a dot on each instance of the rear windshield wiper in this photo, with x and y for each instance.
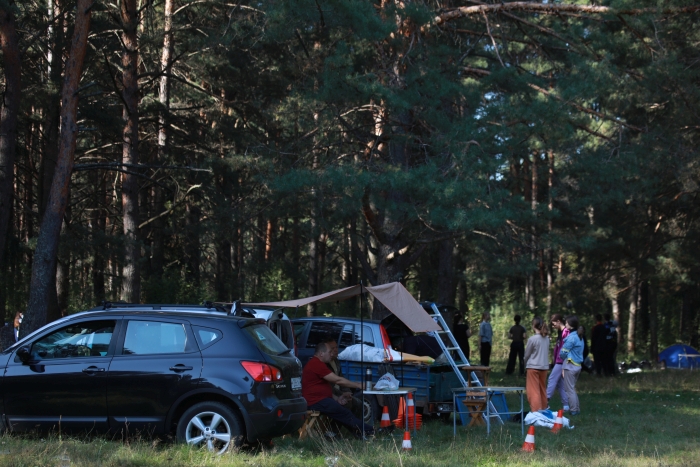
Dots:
(284, 352)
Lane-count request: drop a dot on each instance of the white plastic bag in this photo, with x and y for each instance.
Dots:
(359, 352)
(387, 382)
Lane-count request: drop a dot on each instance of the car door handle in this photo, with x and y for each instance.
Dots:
(92, 370)
(180, 367)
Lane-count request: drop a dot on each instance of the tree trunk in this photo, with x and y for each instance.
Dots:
(447, 284)
(44, 263)
(51, 123)
(688, 313)
(222, 280)
(642, 331)
(532, 296)
(131, 279)
(8, 119)
(631, 324)
(653, 324)
(313, 265)
(192, 243)
(549, 256)
(269, 239)
(49, 155)
(157, 227)
(62, 289)
(58, 305)
(296, 257)
(615, 305)
(99, 225)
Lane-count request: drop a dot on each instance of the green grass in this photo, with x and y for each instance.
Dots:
(646, 419)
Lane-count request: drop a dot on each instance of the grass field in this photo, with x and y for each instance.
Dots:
(645, 419)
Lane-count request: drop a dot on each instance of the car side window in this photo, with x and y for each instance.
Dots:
(153, 337)
(285, 333)
(207, 336)
(322, 331)
(298, 331)
(346, 337)
(368, 338)
(86, 339)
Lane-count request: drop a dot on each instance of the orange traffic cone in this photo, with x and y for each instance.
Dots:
(411, 409)
(529, 444)
(406, 445)
(386, 421)
(558, 422)
(399, 419)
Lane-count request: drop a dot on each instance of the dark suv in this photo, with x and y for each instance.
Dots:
(209, 378)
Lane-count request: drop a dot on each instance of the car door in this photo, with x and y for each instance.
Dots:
(156, 362)
(64, 382)
(282, 328)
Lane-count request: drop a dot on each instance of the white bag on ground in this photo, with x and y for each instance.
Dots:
(387, 382)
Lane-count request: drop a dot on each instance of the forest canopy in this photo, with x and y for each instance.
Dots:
(502, 156)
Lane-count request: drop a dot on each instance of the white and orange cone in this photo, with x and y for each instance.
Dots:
(386, 421)
(529, 444)
(411, 406)
(558, 422)
(406, 445)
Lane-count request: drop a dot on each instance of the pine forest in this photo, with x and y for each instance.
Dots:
(512, 157)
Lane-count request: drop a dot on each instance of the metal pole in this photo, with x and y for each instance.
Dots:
(362, 364)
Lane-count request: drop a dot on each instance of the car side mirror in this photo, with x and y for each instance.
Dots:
(23, 354)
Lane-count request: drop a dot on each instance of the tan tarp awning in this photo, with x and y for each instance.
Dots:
(394, 296)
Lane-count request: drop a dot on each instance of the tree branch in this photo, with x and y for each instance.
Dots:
(554, 9)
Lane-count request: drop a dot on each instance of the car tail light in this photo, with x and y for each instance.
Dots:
(386, 343)
(262, 372)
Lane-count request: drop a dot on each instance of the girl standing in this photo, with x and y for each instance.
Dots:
(485, 338)
(555, 380)
(537, 364)
(572, 355)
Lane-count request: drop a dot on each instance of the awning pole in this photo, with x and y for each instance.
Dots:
(362, 363)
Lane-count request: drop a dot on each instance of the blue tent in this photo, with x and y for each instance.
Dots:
(680, 356)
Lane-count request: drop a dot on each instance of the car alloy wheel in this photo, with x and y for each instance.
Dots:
(210, 425)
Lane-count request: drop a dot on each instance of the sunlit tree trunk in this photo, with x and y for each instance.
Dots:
(131, 278)
(632, 322)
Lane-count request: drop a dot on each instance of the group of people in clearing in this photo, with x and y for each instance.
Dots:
(570, 350)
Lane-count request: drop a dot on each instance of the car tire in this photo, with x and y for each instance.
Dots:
(210, 425)
(370, 409)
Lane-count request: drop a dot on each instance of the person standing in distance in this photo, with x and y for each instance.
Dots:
(462, 334)
(537, 362)
(555, 380)
(485, 338)
(517, 335)
(572, 355)
(598, 334)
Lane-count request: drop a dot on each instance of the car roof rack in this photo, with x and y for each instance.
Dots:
(207, 305)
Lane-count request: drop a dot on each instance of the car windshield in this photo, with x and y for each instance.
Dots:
(266, 340)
